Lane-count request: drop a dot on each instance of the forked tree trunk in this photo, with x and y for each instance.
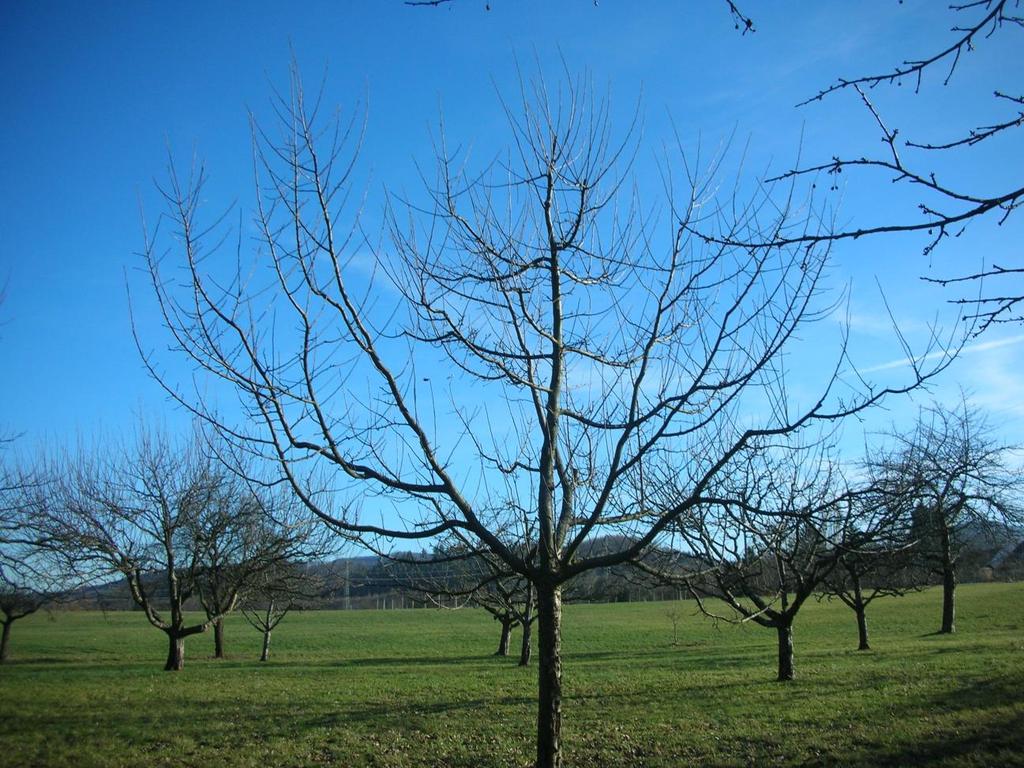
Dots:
(527, 647)
(549, 712)
(5, 636)
(175, 653)
(218, 639)
(506, 634)
(266, 645)
(948, 601)
(785, 652)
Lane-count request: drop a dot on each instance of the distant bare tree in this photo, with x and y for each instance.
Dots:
(134, 511)
(245, 533)
(274, 594)
(882, 567)
(776, 532)
(457, 575)
(31, 572)
(546, 347)
(957, 483)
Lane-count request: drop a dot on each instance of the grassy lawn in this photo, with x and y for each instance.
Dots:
(411, 688)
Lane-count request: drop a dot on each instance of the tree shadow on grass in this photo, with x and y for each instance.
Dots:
(35, 660)
(995, 742)
(978, 732)
(399, 716)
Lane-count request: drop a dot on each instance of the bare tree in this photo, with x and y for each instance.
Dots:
(459, 575)
(274, 594)
(31, 572)
(536, 343)
(882, 567)
(134, 511)
(782, 521)
(956, 483)
(246, 532)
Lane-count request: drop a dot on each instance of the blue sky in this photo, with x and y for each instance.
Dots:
(95, 94)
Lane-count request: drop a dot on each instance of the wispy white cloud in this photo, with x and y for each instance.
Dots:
(971, 349)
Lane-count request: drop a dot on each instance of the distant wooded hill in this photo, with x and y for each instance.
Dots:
(990, 553)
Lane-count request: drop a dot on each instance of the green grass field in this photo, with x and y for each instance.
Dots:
(411, 688)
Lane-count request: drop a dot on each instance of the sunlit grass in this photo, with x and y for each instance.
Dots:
(407, 688)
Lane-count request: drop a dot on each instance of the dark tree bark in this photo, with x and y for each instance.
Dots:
(506, 634)
(948, 579)
(785, 652)
(860, 608)
(948, 601)
(862, 628)
(175, 653)
(526, 650)
(549, 713)
(4, 638)
(218, 639)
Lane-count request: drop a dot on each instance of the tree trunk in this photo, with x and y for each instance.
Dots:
(862, 643)
(267, 626)
(785, 652)
(266, 645)
(948, 601)
(862, 620)
(4, 638)
(175, 653)
(549, 699)
(218, 639)
(526, 650)
(506, 633)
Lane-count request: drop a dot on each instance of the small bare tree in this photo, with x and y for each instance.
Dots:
(275, 592)
(247, 532)
(882, 568)
(546, 346)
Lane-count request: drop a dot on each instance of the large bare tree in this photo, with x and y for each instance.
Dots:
(536, 340)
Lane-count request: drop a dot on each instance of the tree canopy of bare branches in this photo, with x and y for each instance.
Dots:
(32, 573)
(247, 541)
(953, 480)
(782, 521)
(536, 341)
(172, 521)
